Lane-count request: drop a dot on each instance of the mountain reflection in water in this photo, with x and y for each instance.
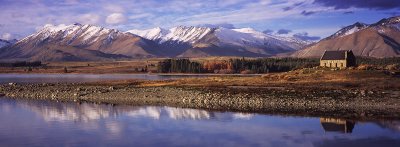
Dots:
(86, 112)
(34, 123)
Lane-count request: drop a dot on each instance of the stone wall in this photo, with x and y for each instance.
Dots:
(333, 63)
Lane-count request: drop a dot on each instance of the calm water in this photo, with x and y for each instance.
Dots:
(54, 78)
(38, 123)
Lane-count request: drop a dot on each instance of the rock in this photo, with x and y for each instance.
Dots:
(363, 92)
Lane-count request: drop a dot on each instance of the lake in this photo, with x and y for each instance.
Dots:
(62, 78)
(48, 123)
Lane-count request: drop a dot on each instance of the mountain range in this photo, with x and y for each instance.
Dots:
(6, 43)
(379, 40)
(185, 41)
(78, 42)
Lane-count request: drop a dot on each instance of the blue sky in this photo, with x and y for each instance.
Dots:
(311, 18)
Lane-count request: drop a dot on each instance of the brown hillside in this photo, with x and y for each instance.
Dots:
(379, 42)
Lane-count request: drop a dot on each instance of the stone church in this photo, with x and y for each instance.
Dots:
(338, 59)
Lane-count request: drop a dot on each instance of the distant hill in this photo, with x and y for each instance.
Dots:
(379, 40)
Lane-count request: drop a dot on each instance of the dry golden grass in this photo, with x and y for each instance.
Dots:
(88, 67)
(305, 78)
(99, 67)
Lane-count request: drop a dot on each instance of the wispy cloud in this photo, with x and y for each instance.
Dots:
(369, 4)
(115, 18)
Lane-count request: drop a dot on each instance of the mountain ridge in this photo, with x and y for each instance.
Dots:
(378, 40)
(239, 42)
(91, 43)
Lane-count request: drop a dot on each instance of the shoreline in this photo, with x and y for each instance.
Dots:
(157, 74)
(354, 104)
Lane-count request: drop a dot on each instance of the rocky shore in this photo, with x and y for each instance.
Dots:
(360, 104)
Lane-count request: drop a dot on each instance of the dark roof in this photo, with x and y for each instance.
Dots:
(334, 127)
(334, 55)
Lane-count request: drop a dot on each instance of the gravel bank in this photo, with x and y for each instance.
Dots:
(360, 104)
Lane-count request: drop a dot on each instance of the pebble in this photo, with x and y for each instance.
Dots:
(275, 100)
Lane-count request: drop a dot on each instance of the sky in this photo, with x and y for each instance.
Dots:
(310, 19)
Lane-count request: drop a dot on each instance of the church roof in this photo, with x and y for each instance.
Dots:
(335, 55)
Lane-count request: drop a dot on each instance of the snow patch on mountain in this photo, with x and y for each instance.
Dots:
(388, 22)
(151, 34)
(358, 26)
(239, 37)
(179, 34)
(187, 34)
(249, 36)
(87, 34)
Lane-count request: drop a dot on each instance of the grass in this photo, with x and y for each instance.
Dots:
(87, 67)
(304, 78)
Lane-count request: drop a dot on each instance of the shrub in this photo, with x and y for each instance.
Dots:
(393, 67)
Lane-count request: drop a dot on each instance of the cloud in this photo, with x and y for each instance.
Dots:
(268, 31)
(114, 8)
(348, 12)
(284, 31)
(307, 13)
(223, 25)
(71, 2)
(6, 36)
(225, 3)
(293, 6)
(393, 13)
(368, 4)
(89, 19)
(115, 18)
(139, 16)
(304, 36)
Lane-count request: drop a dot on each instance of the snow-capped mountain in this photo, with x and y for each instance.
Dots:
(78, 42)
(392, 21)
(89, 37)
(204, 41)
(378, 40)
(5, 43)
(232, 36)
(358, 26)
(349, 30)
(246, 36)
(181, 34)
(89, 42)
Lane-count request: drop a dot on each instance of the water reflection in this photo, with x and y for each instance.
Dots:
(85, 112)
(389, 124)
(34, 123)
(68, 78)
(337, 125)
